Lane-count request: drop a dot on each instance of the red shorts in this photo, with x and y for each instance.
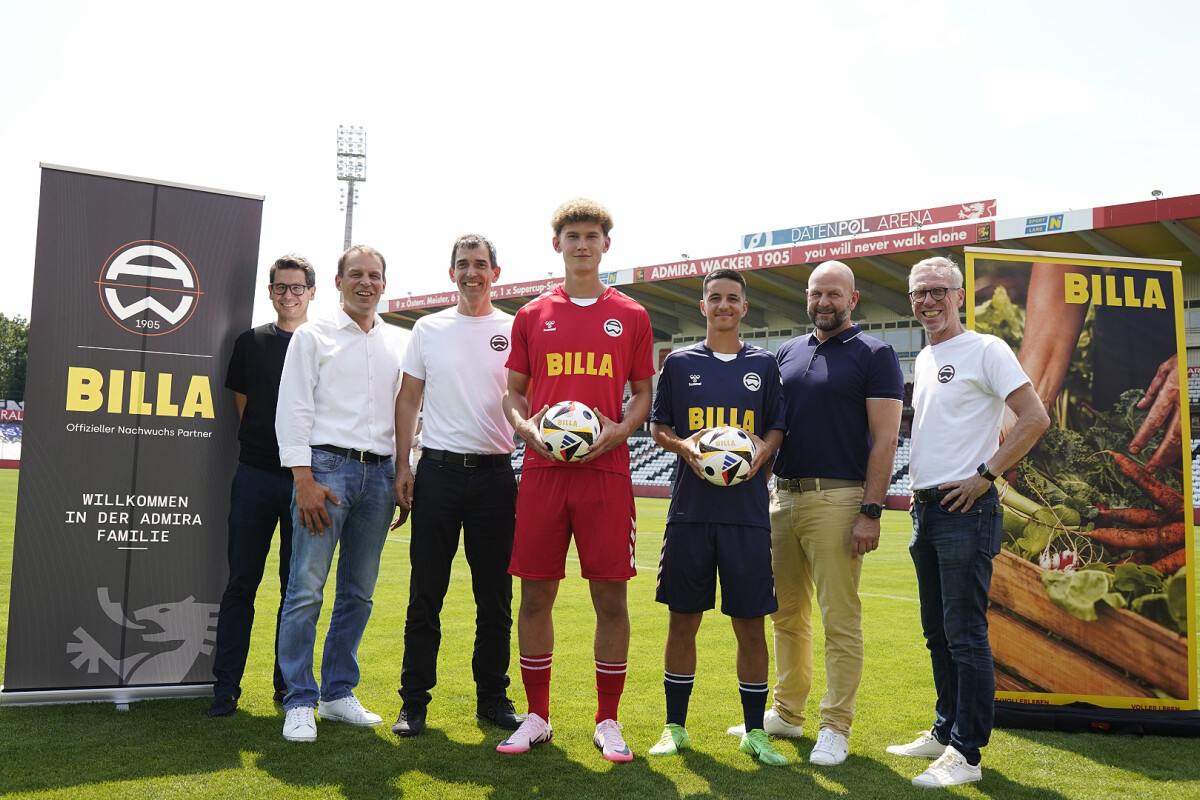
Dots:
(595, 505)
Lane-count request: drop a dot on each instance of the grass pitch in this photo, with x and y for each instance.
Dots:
(169, 748)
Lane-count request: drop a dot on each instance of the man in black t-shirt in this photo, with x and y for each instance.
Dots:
(261, 495)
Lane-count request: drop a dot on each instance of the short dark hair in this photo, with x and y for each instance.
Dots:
(581, 209)
(727, 274)
(364, 249)
(295, 261)
(469, 241)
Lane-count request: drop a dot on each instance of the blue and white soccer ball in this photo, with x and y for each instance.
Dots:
(725, 456)
(569, 428)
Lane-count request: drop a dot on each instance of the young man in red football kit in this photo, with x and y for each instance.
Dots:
(579, 341)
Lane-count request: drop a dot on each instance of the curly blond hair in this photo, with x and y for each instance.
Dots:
(580, 209)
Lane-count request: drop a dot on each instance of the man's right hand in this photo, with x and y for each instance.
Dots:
(530, 431)
(403, 486)
(310, 505)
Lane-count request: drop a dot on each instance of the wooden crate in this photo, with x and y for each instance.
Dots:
(1053, 651)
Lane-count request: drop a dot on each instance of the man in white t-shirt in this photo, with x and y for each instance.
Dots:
(465, 480)
(962, 383)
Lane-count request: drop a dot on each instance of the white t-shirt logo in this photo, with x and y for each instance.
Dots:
(946, 374)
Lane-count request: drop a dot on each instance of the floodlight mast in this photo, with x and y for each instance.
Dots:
(351, 168)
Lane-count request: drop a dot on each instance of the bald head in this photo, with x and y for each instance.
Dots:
(831, 298)
(833, 272)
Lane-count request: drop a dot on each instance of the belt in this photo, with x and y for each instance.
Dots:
(814, 484)
(350, 453)
(930, 495)
(466, 459)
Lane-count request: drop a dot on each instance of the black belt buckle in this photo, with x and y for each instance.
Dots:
(470, 460)
(362, 455)
(926, 495)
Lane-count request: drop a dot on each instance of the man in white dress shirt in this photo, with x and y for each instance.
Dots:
(336, 430)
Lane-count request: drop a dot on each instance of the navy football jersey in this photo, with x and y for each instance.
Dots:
(697, 390)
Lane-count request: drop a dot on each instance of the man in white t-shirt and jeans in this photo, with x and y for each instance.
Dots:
(963, 381)
(465, 480)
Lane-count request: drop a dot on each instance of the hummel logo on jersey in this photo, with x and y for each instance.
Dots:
(695, 380)
(751, 381)
(946, 374)
(549, 324)
(612, 327)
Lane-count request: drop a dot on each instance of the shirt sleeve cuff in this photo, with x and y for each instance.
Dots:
(295, 456)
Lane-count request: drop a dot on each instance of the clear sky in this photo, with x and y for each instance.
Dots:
(694, 122)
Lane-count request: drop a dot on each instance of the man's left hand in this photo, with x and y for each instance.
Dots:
(610, 437)
(963, 494)
(864, 536)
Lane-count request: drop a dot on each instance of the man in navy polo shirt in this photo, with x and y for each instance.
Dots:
(710, 529)
(843, 393)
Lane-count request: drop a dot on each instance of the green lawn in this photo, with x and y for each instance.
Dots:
(169, 748)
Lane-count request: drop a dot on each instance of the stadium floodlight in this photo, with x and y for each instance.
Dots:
(352, 168)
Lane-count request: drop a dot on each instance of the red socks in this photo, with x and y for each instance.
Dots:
(610, 683)
(535, 675)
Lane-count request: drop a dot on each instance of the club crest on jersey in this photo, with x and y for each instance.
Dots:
(946, 374)
(752, 381)
(499, 343)
(612, 327)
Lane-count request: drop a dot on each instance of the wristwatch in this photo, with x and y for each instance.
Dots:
(985, 472)
(871, 510)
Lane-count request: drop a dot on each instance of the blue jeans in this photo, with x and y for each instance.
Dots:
(258, 501)
(952, 553)
(360, 526)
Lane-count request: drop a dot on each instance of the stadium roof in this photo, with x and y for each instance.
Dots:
(1165, 228)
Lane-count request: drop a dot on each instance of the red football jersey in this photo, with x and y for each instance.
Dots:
(583, 353)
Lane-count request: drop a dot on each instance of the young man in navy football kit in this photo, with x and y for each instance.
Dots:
(714, 529)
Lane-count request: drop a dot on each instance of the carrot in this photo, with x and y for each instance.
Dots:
(1172, 562)
(1162, 495)
(1134, 517)
(1138, 538)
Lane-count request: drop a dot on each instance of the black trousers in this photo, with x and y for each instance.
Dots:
(258, 501)
(481, 501)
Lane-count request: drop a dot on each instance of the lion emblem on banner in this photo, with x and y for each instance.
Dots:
(193, 625)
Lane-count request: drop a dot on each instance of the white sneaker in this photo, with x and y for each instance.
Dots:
(533, 730)
(925, 745)
(774, 724)
(831, 748)
(299, 725)
(951, 769)
(348, 710)
(610, 741)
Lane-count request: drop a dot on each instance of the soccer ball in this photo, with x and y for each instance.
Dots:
(568, 429)
(725, 456)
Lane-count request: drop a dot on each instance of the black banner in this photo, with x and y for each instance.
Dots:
(130, 439)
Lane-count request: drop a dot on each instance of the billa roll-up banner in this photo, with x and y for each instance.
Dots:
(1092, 619)
(129, 438)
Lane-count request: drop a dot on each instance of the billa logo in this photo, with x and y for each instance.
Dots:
(149, 288)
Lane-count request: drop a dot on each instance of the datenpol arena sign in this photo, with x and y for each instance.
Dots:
(859, 226)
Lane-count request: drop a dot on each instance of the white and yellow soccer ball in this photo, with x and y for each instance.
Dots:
(569, 428)
(725, 456)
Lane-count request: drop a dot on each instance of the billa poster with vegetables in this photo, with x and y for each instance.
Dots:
(1092, 618)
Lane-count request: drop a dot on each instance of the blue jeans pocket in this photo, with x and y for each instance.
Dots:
(323, 462)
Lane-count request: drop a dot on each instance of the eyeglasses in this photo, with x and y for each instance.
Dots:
(937, 293)
(295, 288)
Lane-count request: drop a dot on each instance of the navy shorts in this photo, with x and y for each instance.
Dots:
(693, 553)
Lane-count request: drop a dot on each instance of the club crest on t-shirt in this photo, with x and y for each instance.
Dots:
(752, 380)
(612, 327)
(946, 374)
(499, 342)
